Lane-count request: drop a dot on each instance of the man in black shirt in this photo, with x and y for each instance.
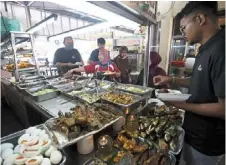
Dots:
(204, 122)
(94, 55)
(67, 58)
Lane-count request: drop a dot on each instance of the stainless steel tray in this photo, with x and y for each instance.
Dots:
(13, 138)
(92, 161)
(136, 99)
(101, 83)
(60, 141)
(43, 97)
(73, 97)
(126, 87)
(61, 82)
(68, 87)
(23, 86)
(31, 79)
(91, 91)
(180, 141)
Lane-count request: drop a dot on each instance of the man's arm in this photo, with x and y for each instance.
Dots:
(182, 82)
(209, 109)
(80, 57)
(166, 80)
(61, 64)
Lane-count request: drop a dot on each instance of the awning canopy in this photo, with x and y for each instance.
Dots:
(58, 9)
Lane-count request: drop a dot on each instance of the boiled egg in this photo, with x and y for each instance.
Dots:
(24, 138)
(30, 154)
(10, 159)
(36, 132)
(17, 149)
(56, 157)
(19, 160)
(30, 142)
(49, 151)
(46, 144)
(30, 130)
(6, 153)
(42, 132)
(44, 137)
(34, 161)
(35, 146)
(5, 146)
(46, 161)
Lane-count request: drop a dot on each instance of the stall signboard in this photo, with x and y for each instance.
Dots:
(127, 42)
(95, 35)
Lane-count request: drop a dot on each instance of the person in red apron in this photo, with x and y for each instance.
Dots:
(103, 68)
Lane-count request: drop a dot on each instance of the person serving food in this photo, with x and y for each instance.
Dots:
(103, 68)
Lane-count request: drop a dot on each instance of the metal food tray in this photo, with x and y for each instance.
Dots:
(68, 87)
(73, 97)
(23, 86)
(181, 141)
(53, 79)
(136, 97)
(91, 91)
(159, 103)
(61, 82)
(106, 83)
(13, 138)
(43, 97)
(31, 79)
(90, 161)
(147, 91)
(60, 141)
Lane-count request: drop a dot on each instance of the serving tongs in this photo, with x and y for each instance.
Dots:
(113, 85)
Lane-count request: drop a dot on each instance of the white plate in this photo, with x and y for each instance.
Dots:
(173, 97)
(159, 102)
(109, 73)
(170, 91)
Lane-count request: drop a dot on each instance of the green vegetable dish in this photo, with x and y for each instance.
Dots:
(44, 91)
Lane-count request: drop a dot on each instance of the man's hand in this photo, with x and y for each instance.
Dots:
(69, 73)
(70, 64)
(162, 80)
(205, 109)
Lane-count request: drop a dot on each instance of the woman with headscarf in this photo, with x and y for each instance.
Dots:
(154, 70)
(102, 68)
(123, 64)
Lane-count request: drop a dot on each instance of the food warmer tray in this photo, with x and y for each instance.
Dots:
(106, 84)
(160, 103)
(136, 97)
(43, 97)
(124, 87)
(73, 97)
(13, 138)
(180, 143)
(93, 160)
(91, 91)
(61, 83)
(30, 79)
(91, 83)
(23, 86)
(68, 87)
(60, 141)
